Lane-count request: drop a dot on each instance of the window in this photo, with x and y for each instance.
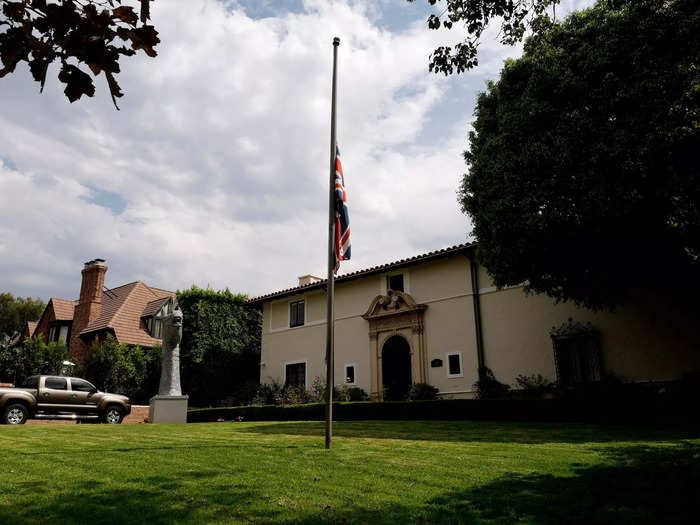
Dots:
(296, 313)
(63, 333)
(31, 382)
(56, 383)
(157, 328)
(395, 282)
(350, 374)
(295, 375)
(577, 359)
(454, 364)
(78, 385)
(52, 334)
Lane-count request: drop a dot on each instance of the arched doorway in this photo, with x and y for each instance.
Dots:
(396, 368)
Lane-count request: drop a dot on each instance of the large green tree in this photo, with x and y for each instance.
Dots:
(584, 159)
(515, 17)
(16, 311)
(78, 34)
(32, 357)
(220, 349)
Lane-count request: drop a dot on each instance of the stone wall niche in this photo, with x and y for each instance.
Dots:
(395, 314)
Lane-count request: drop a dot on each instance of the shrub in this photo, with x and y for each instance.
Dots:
(274, 393)
(268, 393)
(488, 387)
(33, 357)
(535, 385)
(294, 395)
(422, 392)
(122, 369)
(350, 393)
(318, 390)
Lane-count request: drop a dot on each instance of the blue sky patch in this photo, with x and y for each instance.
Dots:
(8, 163)
(114, 202)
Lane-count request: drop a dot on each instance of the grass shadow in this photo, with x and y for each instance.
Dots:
(644, 485)
(632, 484)
(157, 501)
(480, 431)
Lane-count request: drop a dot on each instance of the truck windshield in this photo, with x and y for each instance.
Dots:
(31, 382)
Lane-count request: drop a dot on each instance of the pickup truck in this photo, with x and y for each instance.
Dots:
(58, 397)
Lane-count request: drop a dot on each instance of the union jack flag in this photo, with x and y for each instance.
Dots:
(342, 218)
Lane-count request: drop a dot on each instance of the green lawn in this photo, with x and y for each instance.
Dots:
(377, 472)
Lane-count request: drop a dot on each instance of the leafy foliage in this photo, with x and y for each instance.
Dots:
(422, 392)
(93, 33)
(488, 387)
(122, 369)
(583, 164)
(274, 393)
(16, 311)
(535, 385)
(350, 394)
(220, 346)
(516, 17)
(33, 357)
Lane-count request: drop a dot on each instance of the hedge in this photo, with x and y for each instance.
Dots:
(552, 410)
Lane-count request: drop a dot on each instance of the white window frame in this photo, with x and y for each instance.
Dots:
(289, 312)
(345, 374)
(61, 330)
(384, 284)
(306, 372)
(461, 364)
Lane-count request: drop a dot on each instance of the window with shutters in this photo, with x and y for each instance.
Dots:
(296, 313)
(576, 353)
(295, 375)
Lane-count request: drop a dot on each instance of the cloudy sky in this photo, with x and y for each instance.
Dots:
(214, 172)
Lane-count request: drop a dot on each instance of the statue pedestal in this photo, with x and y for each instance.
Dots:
(168, 409)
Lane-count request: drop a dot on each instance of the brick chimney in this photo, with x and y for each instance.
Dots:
(89, 305)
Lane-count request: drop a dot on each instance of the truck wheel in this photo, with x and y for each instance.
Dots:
(15, 414)
(113, 415)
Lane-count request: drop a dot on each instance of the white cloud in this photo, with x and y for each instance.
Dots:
(221, 154)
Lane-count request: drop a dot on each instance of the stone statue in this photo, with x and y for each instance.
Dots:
(170, 367)
(170, 406)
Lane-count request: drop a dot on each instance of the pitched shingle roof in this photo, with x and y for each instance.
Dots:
(63, 309)
(153, 306)
(31, 326)
(445, 252)
(122, 309)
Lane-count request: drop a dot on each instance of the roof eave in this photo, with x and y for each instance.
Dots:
(438, 254)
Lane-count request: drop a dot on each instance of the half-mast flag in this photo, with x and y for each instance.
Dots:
(342, 218)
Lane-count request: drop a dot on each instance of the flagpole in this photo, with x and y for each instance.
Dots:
(331, 260)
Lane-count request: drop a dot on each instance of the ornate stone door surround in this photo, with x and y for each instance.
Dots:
(395, 314)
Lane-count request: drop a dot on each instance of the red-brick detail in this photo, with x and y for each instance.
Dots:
(88, 308)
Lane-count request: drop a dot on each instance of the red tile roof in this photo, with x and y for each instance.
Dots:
(63, 309)
(153, 306)
(31, 326)
(122, 309)
(457, 248)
